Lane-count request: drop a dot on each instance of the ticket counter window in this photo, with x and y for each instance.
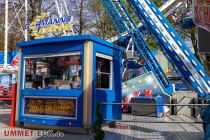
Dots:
(103, 71)
(53, 71)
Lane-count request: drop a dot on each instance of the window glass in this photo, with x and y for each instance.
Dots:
(53, 72)
(103, 73)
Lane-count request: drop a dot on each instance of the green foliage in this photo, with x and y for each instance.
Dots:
(130, 10)
(97, 128)
(158, 2)
(152, 43)
(150, 40)
(103, 26)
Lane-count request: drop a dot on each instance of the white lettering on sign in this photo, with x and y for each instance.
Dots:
(42, 26)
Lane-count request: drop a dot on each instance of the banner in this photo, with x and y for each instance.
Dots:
(51, 106)
(202, 13)
(5, 84)
(12, 58)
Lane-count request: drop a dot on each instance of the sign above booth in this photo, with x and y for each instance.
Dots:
(42, 25)
(202, 13)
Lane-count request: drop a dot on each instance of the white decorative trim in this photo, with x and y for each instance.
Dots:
(104, 56)
(54, 54)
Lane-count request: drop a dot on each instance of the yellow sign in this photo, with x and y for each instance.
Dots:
(50, 106)
(41, 25)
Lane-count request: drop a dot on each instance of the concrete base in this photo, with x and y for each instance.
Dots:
(74, 130)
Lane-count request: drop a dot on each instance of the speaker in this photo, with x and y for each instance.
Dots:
(203, 41)
(154, 111)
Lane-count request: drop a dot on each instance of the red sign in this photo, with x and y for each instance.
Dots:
(202, 14)
(15, 60)
(70, 61)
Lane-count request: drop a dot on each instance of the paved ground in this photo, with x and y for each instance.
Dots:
(155, 131)
(126, 131)
(4, 115)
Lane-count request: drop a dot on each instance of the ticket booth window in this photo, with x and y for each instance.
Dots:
(54, 71)
(103, 71)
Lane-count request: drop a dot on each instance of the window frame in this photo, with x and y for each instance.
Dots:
(108, 57)
(47, 56)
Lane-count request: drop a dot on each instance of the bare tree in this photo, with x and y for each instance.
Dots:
(81, 17)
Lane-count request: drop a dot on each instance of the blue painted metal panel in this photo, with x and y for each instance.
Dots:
(118, 72)
(114, 94)
(64, 47)
(60, 40)
(10, 57)
(94, 99)
(104, 50)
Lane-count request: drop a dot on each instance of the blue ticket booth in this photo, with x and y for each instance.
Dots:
(61, 80)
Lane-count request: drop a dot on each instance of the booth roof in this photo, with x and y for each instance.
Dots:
(66, 39)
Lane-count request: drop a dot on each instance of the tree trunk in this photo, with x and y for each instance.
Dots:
(81, 19)
(36, 6)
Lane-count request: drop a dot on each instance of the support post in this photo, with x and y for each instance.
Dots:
(87, 86)
(14, 91)
(26, 19)
(6, 34)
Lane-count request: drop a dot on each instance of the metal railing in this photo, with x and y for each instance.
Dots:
(100, 119)
(146, 104)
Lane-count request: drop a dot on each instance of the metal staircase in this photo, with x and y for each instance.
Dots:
(124, 23)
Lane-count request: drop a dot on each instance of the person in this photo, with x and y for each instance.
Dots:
(48, 83)
(175, 17)
(188, 3)
(5, 91)
(75, 82)
(38, 85)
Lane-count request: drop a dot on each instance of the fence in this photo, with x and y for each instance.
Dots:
(146, 104)
(99, 132)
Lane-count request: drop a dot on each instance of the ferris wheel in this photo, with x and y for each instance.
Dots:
(17, 16)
